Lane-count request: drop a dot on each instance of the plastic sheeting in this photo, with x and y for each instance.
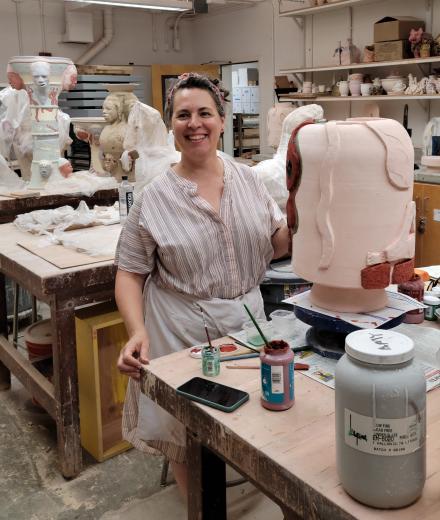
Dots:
(273, 171)
(8, 178)
(82, 182)
(59, 220)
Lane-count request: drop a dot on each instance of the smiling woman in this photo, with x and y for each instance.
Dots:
(203, 233)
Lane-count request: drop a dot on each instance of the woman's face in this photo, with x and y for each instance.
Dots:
(196, 123)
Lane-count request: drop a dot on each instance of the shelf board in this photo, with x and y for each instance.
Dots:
(374, 64)
(357, 98)
(304, 11)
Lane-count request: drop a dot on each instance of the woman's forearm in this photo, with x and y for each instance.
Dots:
(129, 298)
(280, 242)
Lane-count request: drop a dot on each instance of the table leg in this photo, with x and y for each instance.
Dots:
(5, 374)
(206, 482)
(66, 387)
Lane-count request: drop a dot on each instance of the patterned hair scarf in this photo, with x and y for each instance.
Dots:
(219, 95)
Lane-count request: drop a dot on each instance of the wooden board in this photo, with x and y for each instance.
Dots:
(60, 256)
(105, 69)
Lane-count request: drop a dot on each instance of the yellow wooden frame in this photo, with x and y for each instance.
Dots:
(160, 72)
(88, 323)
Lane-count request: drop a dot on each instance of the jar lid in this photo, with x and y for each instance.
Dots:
(432, 300)
(379, 347)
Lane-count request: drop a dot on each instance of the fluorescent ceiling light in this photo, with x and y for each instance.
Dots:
(159, 5)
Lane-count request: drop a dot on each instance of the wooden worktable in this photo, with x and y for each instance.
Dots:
(62, 290)
(289, 456)
(11, 207)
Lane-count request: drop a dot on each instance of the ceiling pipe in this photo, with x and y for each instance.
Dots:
(103, 42)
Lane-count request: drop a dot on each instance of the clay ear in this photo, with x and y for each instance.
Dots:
(399, 159)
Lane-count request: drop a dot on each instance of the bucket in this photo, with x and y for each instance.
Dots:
(38, 339)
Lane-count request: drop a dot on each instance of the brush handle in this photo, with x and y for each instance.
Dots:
(256, 326)
(296, 366)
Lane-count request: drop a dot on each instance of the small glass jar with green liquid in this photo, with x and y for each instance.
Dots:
(211, 361)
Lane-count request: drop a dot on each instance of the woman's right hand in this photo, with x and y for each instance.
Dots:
(134, 355)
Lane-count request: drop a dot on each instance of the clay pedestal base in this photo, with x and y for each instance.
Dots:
(348, 300)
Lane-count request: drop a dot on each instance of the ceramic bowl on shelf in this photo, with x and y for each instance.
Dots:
(389, 83)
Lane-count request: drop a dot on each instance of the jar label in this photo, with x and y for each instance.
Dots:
(272, 382)
(387, 437)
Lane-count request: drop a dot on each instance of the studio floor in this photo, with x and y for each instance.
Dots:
(124, 487)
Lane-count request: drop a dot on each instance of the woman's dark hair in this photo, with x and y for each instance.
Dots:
(195, 80)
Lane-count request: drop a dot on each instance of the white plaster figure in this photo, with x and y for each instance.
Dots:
(273, 171)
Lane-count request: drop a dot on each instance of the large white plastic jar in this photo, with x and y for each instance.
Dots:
(380, 419)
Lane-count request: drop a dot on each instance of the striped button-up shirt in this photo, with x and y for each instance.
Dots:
(175, 235)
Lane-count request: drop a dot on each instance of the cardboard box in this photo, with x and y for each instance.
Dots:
(390, 51)
(395, 28)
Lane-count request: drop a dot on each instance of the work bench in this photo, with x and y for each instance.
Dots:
(289, 455)
(63, 290)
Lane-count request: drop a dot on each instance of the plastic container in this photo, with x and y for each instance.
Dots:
(414, 288)
(211, 361)
(432, 303)
(126, 198)
(38, 339)
(380, 419)
(277, 386)
(252, 334)
(283, 323)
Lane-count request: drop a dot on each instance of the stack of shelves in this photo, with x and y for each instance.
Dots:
(246, 134)
(86, 99)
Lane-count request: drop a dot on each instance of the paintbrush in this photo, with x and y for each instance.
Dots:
(263, 337)
(206, 326)
(245, 345)
(296, 366)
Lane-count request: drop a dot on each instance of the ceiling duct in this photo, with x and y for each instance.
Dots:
(152, 5)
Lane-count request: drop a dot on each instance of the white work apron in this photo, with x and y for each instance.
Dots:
(174, 322)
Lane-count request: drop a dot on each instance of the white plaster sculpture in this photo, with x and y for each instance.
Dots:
(147, 138)
(431, 129)
(273, 171)
(43, 78)
(116, 109)
(351, 210)
(89, 129)
(16, 129)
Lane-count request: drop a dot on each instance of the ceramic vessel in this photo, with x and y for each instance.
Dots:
(355, 87)
(366, 89)
(116, 109)
(43, 78)
(351, 210)
(389, 83)
(343, 88)
(89, 129)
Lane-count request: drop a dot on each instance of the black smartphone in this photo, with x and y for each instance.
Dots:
(213, 394)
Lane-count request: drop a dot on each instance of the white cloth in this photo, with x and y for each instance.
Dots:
(174, 322)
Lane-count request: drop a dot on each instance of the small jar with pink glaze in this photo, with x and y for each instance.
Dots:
(277, 389)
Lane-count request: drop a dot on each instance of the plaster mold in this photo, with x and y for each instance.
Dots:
(43, 78)
(350, 210)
